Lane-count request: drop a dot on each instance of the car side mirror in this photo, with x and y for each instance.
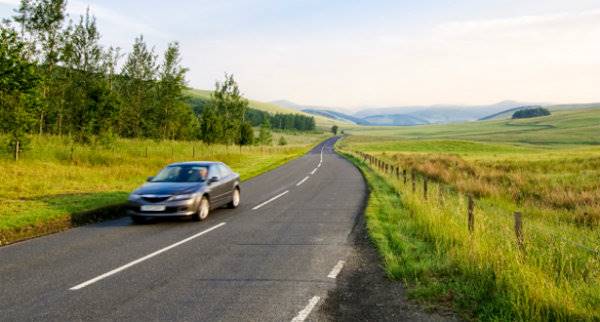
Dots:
(213, 180)
(150, 178)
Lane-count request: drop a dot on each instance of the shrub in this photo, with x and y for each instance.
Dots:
(530, 112)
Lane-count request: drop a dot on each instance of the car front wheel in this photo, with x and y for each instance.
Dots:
(235, 198)
(203, 209)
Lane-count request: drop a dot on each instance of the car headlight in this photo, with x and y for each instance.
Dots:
(133, 197)
(182, 197)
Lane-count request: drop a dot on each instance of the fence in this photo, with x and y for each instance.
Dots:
(517, 217)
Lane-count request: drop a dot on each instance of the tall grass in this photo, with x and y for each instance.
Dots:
(426, 243)
(55, 178)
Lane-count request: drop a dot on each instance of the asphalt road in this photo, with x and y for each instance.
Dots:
(273, 261)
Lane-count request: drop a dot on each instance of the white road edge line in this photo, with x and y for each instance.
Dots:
(302, 181)
(313, 172)
(266, 202)
(336, 269)
(137, 261)
(302, 315)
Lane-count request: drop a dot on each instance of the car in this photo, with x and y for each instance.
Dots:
(185, 189)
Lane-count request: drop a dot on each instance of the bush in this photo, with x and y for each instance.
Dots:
(282, 141)
(530, 112)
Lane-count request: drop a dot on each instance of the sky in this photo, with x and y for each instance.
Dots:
(355, 54)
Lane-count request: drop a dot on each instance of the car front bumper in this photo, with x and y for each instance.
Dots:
(179, 208)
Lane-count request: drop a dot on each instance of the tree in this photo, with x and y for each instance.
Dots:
(42, 22)
(530, 112)
(334, 129)
(211, 127)
(246, 134)
(265, 137)
(18, 81)
(231, 108)
(173, 108)
(139, 73)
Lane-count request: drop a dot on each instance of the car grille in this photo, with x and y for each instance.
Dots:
(156, 199)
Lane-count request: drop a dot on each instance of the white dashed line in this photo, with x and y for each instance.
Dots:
(302, 181)
(302, 315)
(336, 269)
(266, 202)
(313, 172)
(137, 261)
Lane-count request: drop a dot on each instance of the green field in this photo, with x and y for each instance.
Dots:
(322, 122)
(50, 186)
(547, 168)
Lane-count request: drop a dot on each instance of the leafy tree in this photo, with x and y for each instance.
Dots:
(530, 112)
(139, 72)
(265, 137)
(334, 129)
(18, 80)
(246, 134)
(231, 108)
(211, 127)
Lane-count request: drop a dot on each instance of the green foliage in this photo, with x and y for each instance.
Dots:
(334, 129)
(530, 112)
(265, 136)
(246, 135)
(282, 141)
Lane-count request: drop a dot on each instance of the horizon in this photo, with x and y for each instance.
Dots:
(356, 55)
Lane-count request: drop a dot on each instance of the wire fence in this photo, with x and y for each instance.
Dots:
(419, 183)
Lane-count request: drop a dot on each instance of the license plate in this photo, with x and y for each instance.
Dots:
(153, 208)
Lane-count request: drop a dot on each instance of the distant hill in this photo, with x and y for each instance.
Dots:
(321, 121)
(395, 120)
(337, 116)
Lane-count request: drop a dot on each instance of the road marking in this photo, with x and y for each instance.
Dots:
(302, 181)
(302, 315)
(137, 261)
(313, 172)
(336, 269)
(266, 202)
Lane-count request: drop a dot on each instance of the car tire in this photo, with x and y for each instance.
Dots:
(138, 219)
(203, 209)
(235, 198)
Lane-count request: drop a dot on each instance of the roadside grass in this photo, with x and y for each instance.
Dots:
(56, 183)
(484, 275)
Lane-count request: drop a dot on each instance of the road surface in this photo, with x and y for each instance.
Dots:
(272, 259)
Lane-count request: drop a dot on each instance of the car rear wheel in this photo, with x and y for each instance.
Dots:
(203, 209)
(235, 198)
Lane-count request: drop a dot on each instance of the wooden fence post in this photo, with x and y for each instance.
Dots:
(398, 173)
(193, 151)
(425, 188)
(404, 176)
(146, 154)
(440, 193)
(519, 231)
(414, 180)
(470, 217)
(17, 148)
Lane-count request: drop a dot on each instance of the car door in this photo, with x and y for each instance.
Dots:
(218, 188)
(228, 181)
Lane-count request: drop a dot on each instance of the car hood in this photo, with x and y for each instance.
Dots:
(169, 188)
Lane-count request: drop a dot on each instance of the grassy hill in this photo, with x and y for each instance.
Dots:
(509, 112)
(321, 121)
(574, 127)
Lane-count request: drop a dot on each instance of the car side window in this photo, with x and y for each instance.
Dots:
(225, 172)
(214, 171)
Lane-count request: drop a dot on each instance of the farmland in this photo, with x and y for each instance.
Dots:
(546, 168)
(57, 180)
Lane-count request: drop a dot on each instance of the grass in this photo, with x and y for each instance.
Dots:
(51, 189)
(546, 168)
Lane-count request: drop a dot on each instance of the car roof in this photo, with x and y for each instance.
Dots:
(192, 163)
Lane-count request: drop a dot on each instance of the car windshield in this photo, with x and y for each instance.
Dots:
(183, 173)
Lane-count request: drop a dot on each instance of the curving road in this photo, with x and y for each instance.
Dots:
(273, 259)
